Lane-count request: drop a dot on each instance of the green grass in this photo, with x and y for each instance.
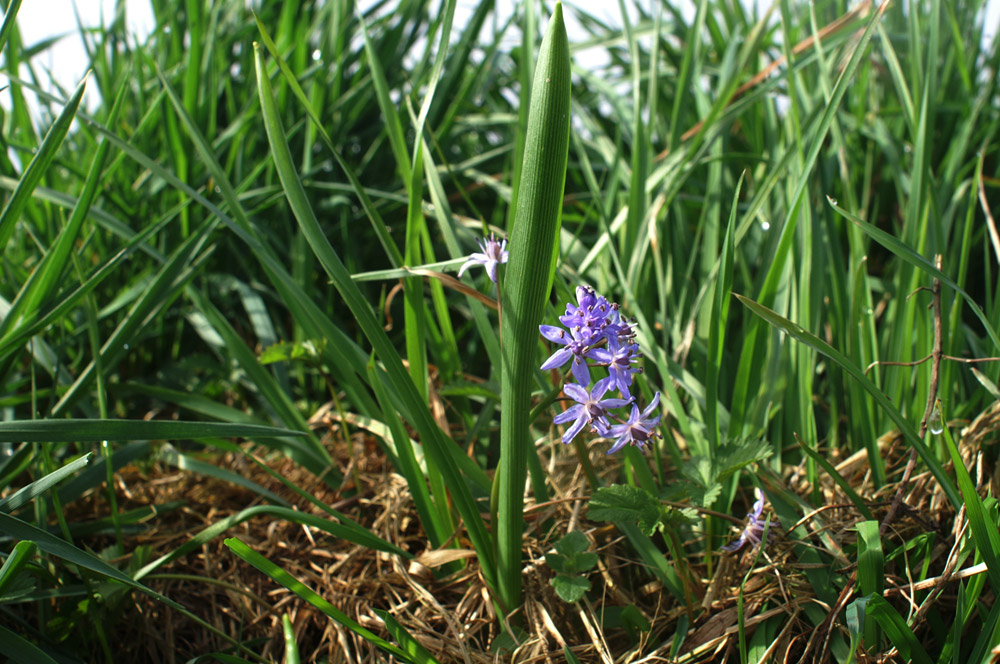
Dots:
(262, 221)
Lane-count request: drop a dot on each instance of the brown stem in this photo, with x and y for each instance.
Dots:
(932, 391)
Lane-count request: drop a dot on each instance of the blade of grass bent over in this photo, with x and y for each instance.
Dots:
(288, 581)
(20, 650)
(26, 493)
(532, 242)
(840, 360)
(908, 254)
(435, 442)
(82, 430)
(984, 534)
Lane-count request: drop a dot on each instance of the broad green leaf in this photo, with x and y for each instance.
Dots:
(626, 503)
(570, 587)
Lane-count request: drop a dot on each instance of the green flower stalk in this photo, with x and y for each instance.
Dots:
(530, 266)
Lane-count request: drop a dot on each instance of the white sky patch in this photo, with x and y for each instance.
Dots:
(66, 60)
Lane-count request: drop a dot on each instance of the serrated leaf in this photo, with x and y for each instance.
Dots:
(736, 455)
(698, 470)
(622, 502)
(570, 588)
(572, 543)
(698, 494)
(585, 561)
(557, 562)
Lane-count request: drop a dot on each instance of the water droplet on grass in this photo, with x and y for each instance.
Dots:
(936, 421)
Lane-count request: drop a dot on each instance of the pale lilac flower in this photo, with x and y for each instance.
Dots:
(492, 255)
(618, 357)
(589, 409)
(638, 429)
(575, 347)
(753, 531)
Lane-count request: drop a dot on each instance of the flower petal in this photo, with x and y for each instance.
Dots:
(620, 443)
(652, 406)
(465, 266)
(575, 429)
(558, 359)
(569, 414)
(580, 371)
(554, 334)
(576, 392)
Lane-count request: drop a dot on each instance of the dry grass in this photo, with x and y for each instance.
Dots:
(451, 613)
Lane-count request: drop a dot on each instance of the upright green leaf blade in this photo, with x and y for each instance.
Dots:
(38, 165)
(434, 440)
(532, 242)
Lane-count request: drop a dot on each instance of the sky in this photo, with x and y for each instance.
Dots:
(41, 19)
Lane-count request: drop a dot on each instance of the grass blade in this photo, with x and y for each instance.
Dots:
(435, 442)
(907, 254)
(417, 652)
(38, 165)
(288, 581)
(24, 495)
(896, 629)
(20, 650)
(83, 430)
(817, 344)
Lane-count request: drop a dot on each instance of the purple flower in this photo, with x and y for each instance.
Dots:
(589, 409)
(639, 427)
(492, 255)
(754, 528)
(618, 357)
(590, 316)
(618, 326)
(575, 347)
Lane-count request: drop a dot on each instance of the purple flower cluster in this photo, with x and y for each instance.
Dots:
(595, 331)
